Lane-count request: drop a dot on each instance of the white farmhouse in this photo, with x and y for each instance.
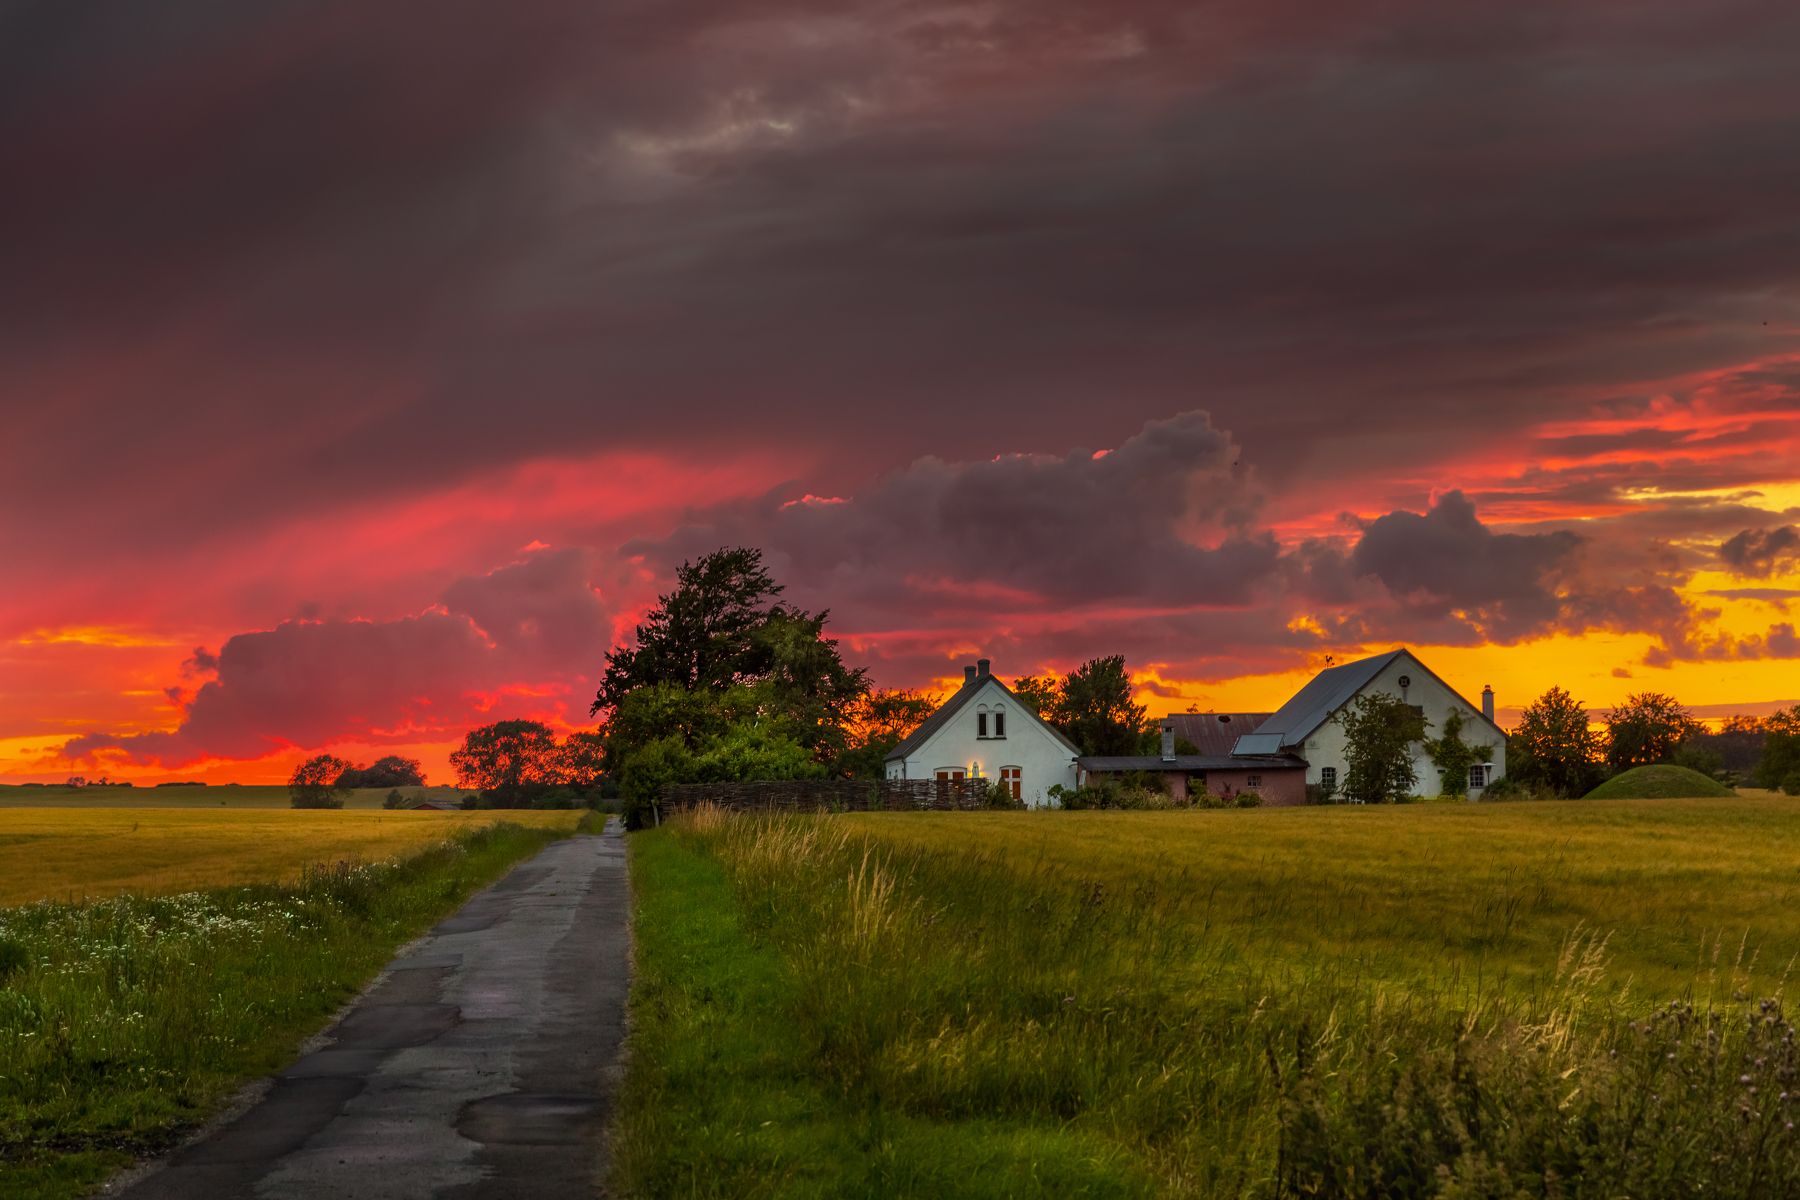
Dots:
(1304, 726)
(984, 731)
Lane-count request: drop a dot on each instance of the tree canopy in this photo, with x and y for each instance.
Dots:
(1379, 732)
(1780, 765)
(391, 771)
(724, 681)
(1091, 705)
(1555, 745)
(315, 783)
(508, 761)
(1647, 728)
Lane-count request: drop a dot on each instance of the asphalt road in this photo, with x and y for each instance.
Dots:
(479, 1067)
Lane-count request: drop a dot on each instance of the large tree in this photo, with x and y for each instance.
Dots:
(1555, 746)
(510, 762)
(1092, 705)
(1095, 708)
(1379, 733)
(314, 783)
(723, 677)
(581, 761)
(1646, 729)
(700, 636)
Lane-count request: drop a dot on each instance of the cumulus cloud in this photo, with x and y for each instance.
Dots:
(1762, 552)
(308, 683)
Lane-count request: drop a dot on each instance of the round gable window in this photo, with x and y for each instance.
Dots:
(1406, 681)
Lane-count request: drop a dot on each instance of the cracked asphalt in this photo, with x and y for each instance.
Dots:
(480, 1066)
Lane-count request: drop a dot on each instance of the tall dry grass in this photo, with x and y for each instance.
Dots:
(968, 984)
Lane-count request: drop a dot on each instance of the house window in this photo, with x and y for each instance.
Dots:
(946, 774)
(1253, 781)
(1328, 778)
(1000, 725)
(981, 723)
(1477, 775)
(1009, 779)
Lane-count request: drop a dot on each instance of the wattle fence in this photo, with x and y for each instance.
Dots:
(831, 795)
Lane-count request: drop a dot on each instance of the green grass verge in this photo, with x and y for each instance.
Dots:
(722, 1095)
(1662, 782)
(125, 1022)
(823, 1009)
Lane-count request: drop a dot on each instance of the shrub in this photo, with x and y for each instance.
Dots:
(394, 800)
(1249, 799)
(1111, 794)
(471, 801)
(998, 795)
(13, 958)
(1321, 793)
(1791, 785)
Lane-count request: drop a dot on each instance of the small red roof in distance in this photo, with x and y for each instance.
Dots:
(1213, 733)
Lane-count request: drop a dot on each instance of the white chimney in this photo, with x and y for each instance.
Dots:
(1487, 702)
(1168, 742)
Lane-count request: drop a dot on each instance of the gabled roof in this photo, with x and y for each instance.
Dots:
(1329, 691)
(954, 705)
(1313, 705)
(1214, 733)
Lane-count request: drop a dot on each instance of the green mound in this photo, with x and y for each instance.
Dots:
(1663, 782)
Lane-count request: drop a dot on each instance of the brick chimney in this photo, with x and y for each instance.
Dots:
(1487, 702)
(981, 667)
(968, 675)
(1168, 742)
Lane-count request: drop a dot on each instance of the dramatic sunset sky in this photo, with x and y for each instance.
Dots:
(366, 366)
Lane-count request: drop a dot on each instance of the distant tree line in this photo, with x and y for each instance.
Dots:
(1557, 748)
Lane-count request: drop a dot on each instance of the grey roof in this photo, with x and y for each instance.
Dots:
(1191, 762)
(1214, 733)
(954, 704)
(1313, 704)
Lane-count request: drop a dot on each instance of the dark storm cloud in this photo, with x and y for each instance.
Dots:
(1445, 562)
(315, 239)
(1761, 551)
(1075, 529)
(1155, 548)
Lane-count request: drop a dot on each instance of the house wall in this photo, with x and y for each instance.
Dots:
(1041, 757)
(1278, 787)
(1325, 746)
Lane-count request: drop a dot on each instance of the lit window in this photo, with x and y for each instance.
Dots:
(1328, 777)
(1009, 779)
(947, 774)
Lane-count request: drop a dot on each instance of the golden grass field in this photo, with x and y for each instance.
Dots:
(64, 853)
(220, 795)
(1391, 892)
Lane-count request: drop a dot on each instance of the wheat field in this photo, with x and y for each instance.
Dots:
(72, 854)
